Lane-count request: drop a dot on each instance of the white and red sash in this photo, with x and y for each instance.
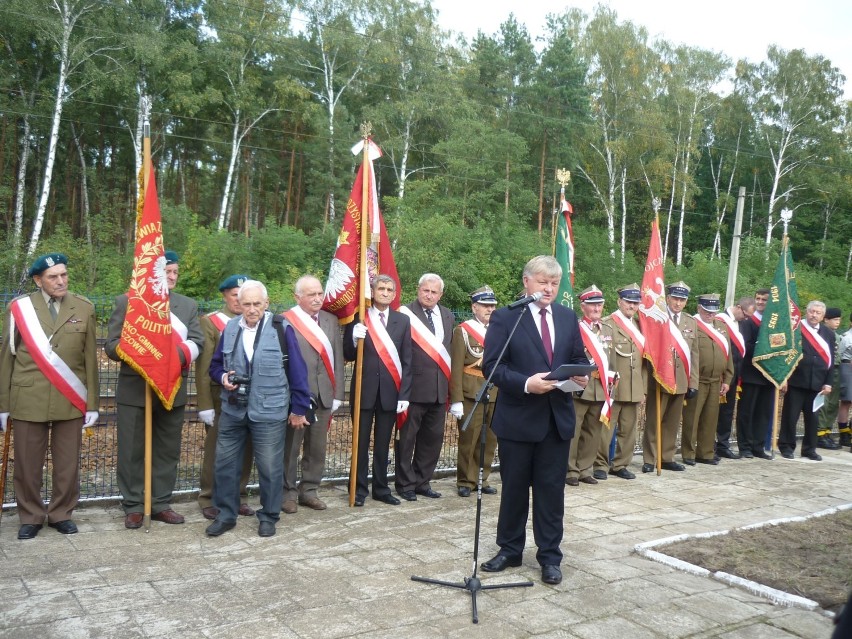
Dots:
(425, 339)
(384, 346)
(595, 348)
(628, 326)
(816, 340)
(756, 317)
(717, 337)
(733, 332)
(49, 363)
(179, 335)
(218, 319)
(314, 336)
(474, 329)
(681, 347)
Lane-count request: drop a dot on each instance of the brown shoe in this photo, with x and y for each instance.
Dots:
(312, 502)
(245, 510)
(289, 507)
(133, 520)
(589, 480)
(168, 517)
(572, 481)
(210, 512)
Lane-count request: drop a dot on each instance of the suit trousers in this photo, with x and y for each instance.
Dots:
(587, 434)
(542, 467)
(625, 417)
(700, 416)
(724, 423)
(671, 409)
(383, 429)
(798, 401)
(467, 473)
(311, 441)
(754, 416)
(31, 442)
(208, 461)
(419, 446)
(166, 427)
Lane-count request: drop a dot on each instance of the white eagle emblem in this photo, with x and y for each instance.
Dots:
(339, 277)
(657, 309)
(159, 281)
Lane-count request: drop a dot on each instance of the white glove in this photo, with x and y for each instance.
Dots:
(91, 418)
(207, 416)
(401, 406)
(359, 331)
(335, 404)
(4, 417)
(457, 410)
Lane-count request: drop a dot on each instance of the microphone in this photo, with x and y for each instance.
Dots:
(529, 299)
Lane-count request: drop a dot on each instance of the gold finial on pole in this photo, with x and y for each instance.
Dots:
(656, 203)
(563, 176)
(366, 129)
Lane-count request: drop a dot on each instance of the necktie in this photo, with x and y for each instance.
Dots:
(51, 306)
(429, 321)
(676, 318)
(545, 336)
(315, 318)
(382, 317)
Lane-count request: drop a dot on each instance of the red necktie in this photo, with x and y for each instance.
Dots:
(545, 336)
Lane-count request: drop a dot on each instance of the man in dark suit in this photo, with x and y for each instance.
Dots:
(167, 424)
(422, 435)
(51, 399)
(812, 376)
(385, 384)
(321, 345)
(757, 400)
(533, 419)
(733, 318)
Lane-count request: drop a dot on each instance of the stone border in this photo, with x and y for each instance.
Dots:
(777, 597)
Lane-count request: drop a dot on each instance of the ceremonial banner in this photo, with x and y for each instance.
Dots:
(564, 252)
(779, 342)
(343, 289)
(147, 342)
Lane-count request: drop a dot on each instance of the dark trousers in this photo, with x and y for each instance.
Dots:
(541, 466)
(382, 423)
(725, 421)
(419, 446)
(798, 401)
(754, 415)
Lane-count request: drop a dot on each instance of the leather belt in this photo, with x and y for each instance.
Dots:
(472, 370)
(846, 361)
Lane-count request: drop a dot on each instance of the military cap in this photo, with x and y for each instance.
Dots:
(678, 289)
(45, 262)
(172, 257)
(483, 295)
(630, 293)
(709, 302)
(235, 281)
(592, 295)
(832, 312)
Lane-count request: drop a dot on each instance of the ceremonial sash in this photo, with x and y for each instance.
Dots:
(756, 317)
(715, 335)
(315, 336)
(816, 340)
(219, 319)
(681, 347)
(733, 332)
(425, 339)
(630, 328)
(474, 329)
(384, 346)
(595, 348)
(49, 363)
(188, 347)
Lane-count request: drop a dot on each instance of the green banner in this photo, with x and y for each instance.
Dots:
(779, 342)
(564, 254)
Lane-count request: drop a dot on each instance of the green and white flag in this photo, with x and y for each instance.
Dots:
(564, 252)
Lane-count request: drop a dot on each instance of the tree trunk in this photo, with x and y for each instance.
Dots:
(224, 209)
(541, 183)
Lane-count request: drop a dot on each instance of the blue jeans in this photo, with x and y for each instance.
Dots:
(268, 441)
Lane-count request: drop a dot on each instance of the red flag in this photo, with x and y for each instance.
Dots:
(147, 341)
(654, 317)
(343, 289)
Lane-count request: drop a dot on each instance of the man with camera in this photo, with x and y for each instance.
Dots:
(264, 378)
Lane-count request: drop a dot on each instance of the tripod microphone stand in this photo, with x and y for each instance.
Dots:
(473, 584)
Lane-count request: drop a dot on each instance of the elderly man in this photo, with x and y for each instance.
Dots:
(534, 419)
(733, 318)
(49, 386)
(715, 374)
(264, 385)
(671, 404)
(421, 437)
(209, 404)
(167, 424)
(466, 380)
(628, 345)
(812, 376)
(321, 346)
(829, 412)
(757, 400)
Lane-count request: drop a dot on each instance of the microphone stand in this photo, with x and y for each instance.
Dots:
(473, 584)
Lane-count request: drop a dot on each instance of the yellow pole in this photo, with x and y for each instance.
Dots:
(659, 426)
(146, 508)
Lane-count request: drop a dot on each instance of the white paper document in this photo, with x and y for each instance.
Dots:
(819, 401)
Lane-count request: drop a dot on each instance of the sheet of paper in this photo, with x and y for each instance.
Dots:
(568, 386)
(819, 401)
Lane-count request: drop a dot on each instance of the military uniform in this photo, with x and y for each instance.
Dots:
(701, 413)
(829, 411)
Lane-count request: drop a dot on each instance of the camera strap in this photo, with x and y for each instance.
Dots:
(239, 337)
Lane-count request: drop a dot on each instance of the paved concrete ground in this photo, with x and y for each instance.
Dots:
(347, 572)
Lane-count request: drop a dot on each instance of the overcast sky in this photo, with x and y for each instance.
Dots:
(737, 28)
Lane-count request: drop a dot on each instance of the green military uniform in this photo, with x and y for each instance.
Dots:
(701, 413)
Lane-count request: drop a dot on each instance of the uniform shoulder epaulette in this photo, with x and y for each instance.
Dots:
(81, 298)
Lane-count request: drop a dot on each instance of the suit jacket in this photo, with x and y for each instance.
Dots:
(318, 379)
(131, 385)
(24, 390)
(811, 373)
(521, 416)
(428, 384)
(377, 387)
(748, 373)
(207, 394)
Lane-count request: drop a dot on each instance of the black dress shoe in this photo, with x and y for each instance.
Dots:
(266, 528)
(827, 442)
(647, 468)
(359, 501)
(66, 527)
(746, 454)
(672, 466)
(464, 491)
(218, 527)
(407, 495)
(688, 462)
(762, 454)
(387, 499)
(551, 575)
(786, 454)
(814, 456)
(727, 453)
(499, 563)
(489, 490)
(600, 475)
(713, 461)
(428, 493)
(28, 531)
(623, 473)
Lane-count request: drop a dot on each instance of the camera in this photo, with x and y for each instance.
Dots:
(239, 397)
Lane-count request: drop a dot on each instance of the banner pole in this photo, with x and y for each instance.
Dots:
(658, 462)
(146, 507)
